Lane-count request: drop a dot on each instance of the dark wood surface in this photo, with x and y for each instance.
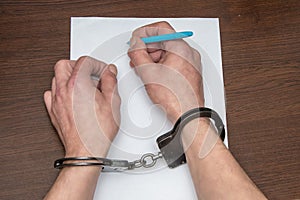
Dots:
(260, 48)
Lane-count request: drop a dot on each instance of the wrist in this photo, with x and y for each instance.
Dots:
(175, 114)
(199, 138)
(194, 133)
(83, 152)
(196, 129)
(82, 171)
(77, 146)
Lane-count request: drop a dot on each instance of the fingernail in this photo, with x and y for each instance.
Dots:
(113, 69)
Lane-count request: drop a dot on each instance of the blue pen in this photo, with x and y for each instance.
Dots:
(166, 37)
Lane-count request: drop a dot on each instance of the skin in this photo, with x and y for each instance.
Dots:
(58, 101)
(171, 72)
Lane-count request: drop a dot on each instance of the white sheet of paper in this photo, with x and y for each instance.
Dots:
(142, 122)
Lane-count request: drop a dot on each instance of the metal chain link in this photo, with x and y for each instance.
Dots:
(110, 165)
(147, 160)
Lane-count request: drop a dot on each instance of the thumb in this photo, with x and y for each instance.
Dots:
(48, 100)
(138, 52)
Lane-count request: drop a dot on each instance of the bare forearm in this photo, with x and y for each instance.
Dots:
(218, 175)
(75, 183)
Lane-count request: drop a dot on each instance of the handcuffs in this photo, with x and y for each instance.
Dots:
(170, 145)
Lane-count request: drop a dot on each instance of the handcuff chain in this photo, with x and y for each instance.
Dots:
(147, 160)
(110, 165)
(170, 147)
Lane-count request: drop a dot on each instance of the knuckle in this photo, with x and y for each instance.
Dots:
(87, 60)
(165, 23)
(134, 53)
(82, 59)
(137, 31)
(130, 53)
(60, 64)
(110, 77)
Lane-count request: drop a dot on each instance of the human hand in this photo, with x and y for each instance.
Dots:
(171, 70)
(85, 112)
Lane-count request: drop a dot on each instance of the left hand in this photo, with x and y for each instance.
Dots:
(85, 112)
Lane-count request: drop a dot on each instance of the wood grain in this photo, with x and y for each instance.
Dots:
(260, 47)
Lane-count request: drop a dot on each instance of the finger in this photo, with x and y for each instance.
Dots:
(155, 51)
(178, 47)
(138, 52)
(157, 55)
(63, 70)
(85, 68)
(72, 63)
(48, 103)
(48, 100)
(140, 58)
(158, 28)
(109, 82)
(131, 64)
(53, 88)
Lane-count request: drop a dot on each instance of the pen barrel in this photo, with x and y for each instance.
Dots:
(167, 37)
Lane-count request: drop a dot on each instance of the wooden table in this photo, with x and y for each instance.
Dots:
(260, 47)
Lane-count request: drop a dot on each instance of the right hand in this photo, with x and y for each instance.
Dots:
(171, 70)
